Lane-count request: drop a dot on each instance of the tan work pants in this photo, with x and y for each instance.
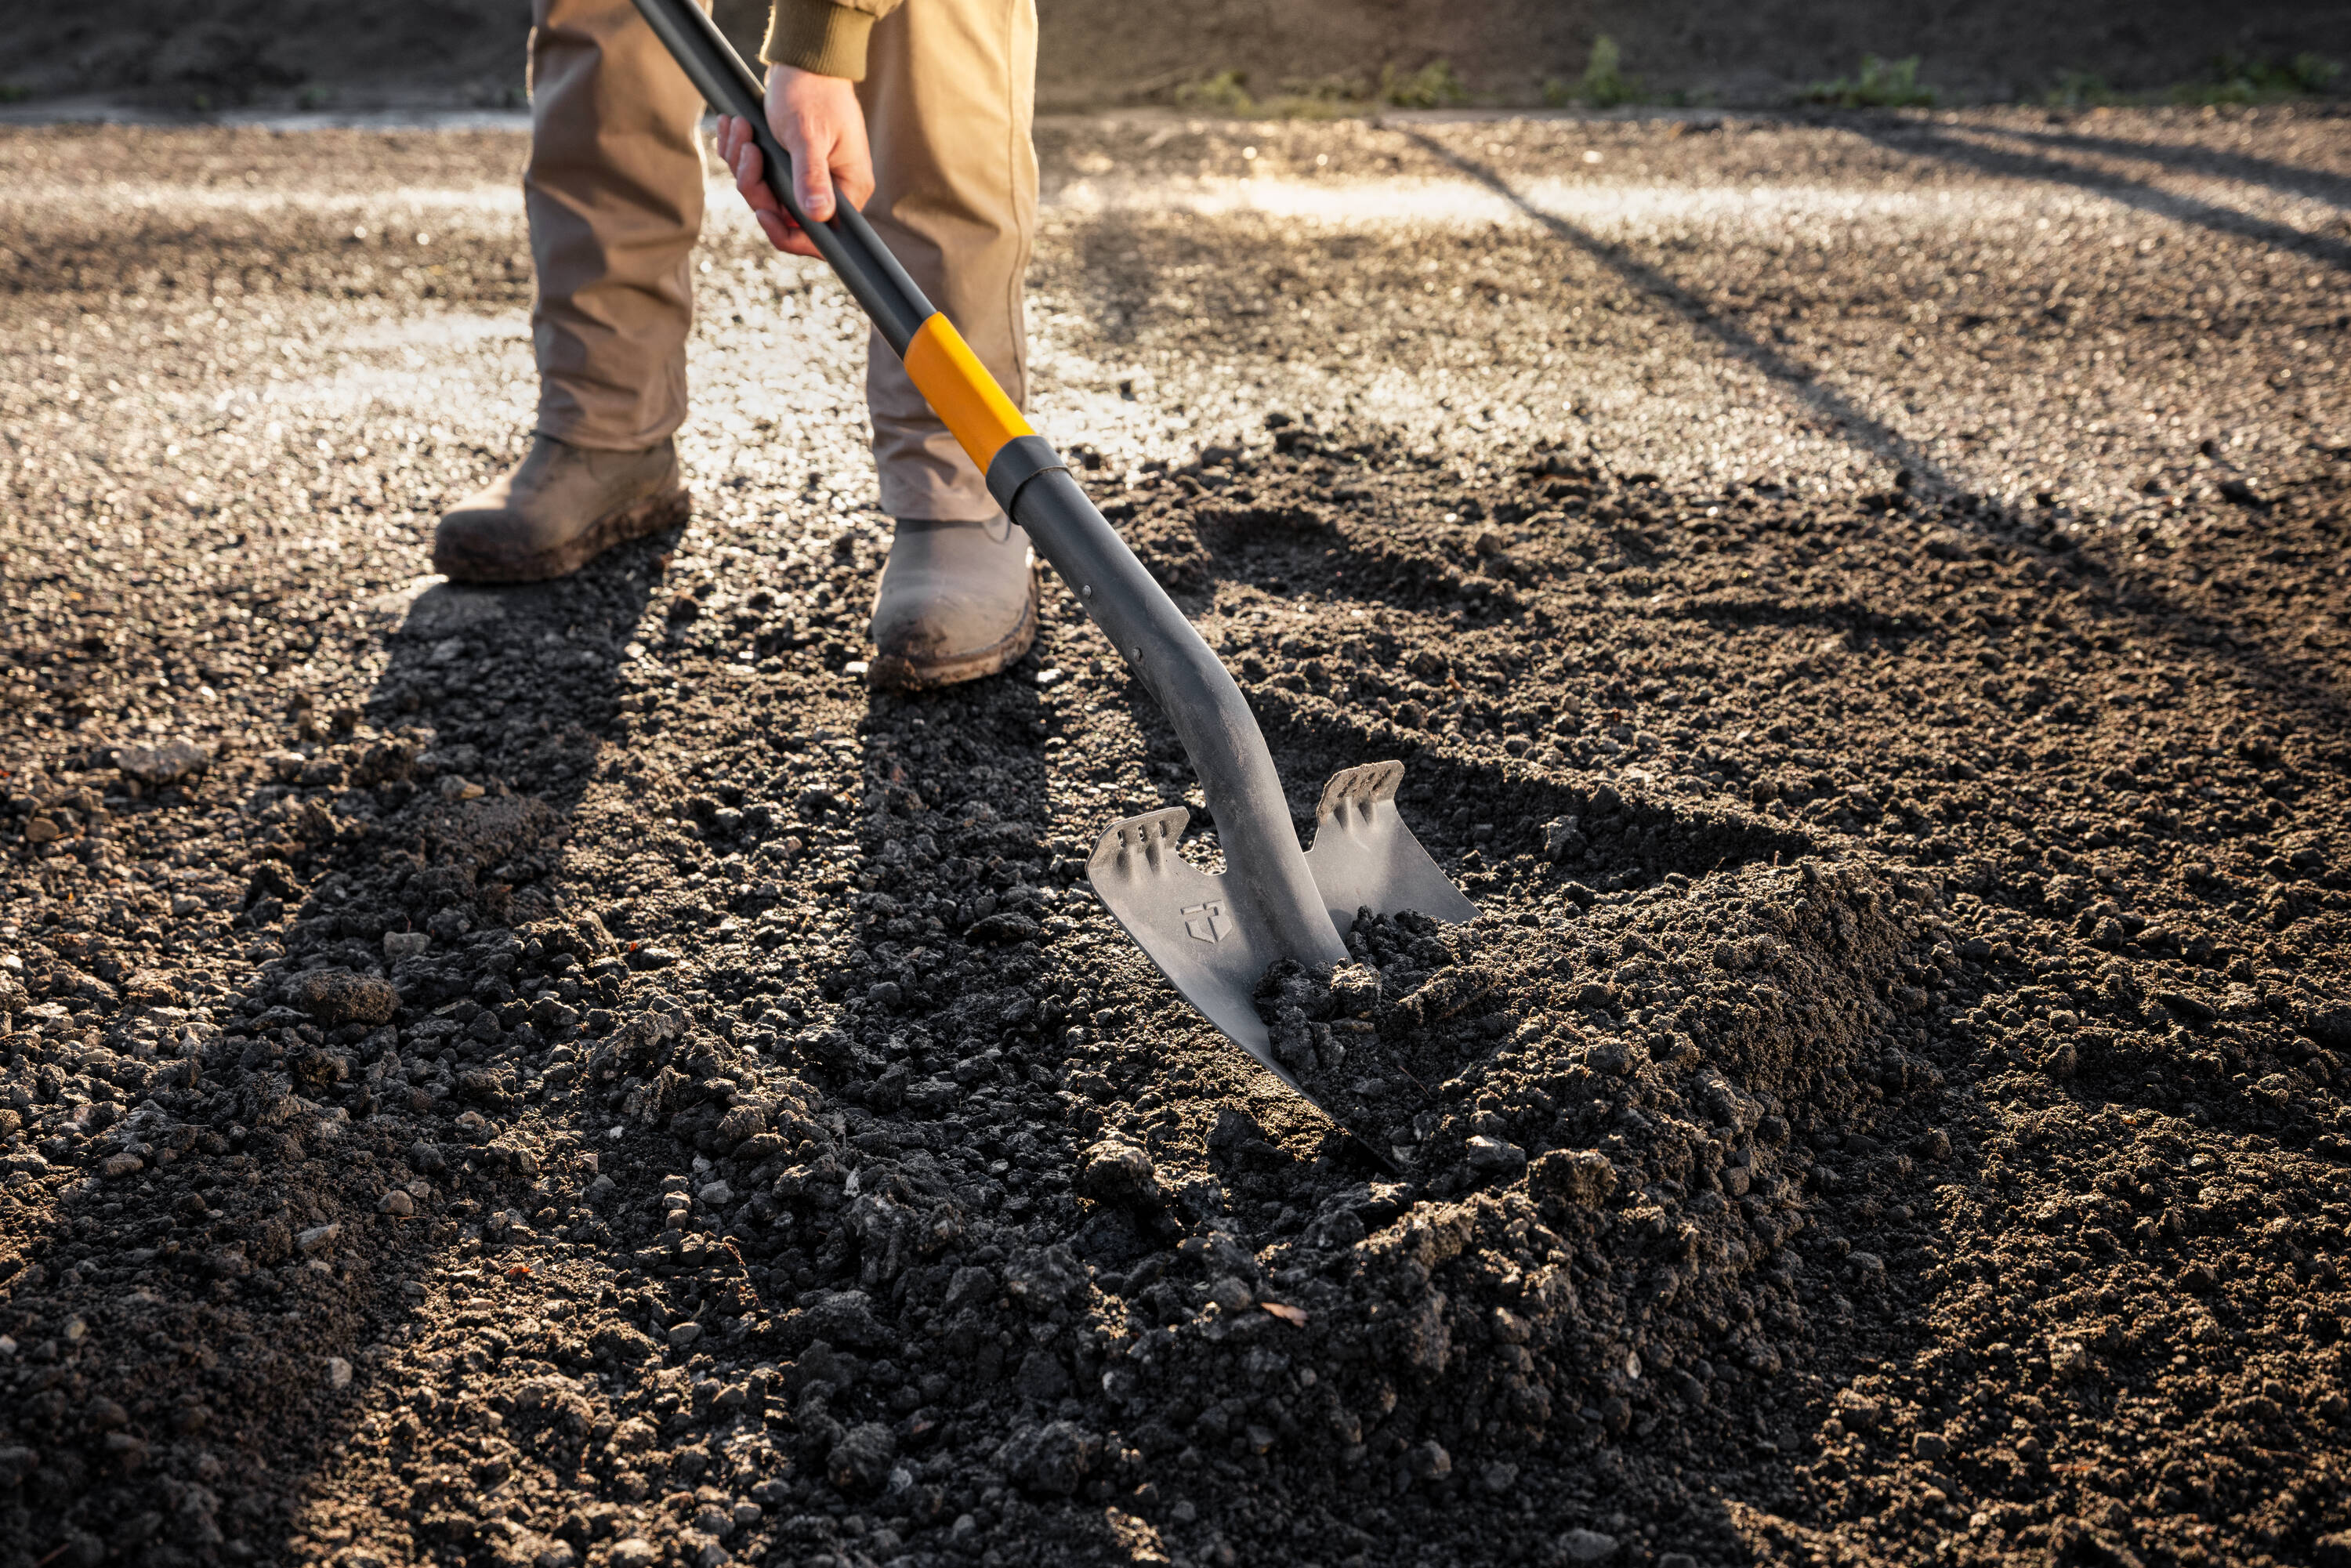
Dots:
(614, 194)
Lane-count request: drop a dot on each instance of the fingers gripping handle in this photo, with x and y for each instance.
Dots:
(942, 365)
(848, 243)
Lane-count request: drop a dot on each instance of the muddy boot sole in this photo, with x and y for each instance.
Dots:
(462, 563)
(913, 671)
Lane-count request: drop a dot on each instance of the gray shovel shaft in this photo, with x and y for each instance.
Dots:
(1262, 860)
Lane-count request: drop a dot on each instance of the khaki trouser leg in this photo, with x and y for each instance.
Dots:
(950, 92)
(614, 195)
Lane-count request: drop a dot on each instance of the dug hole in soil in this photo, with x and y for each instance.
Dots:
(622, 1094)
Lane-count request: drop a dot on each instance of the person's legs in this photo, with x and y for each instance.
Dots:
(949, 97)
(613, 192)
(614, 195)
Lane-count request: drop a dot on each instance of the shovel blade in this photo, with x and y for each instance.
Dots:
(1187, 921)
(1365, 858)
(1190, 924)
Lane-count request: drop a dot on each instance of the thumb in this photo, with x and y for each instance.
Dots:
(814, 179)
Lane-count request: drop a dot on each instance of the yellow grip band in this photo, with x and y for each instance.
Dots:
(961, 392)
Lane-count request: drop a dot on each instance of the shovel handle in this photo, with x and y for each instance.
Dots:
(847, 242)
(942, 366)
(1035, 489)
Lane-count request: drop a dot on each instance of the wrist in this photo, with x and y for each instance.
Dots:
(818, 37)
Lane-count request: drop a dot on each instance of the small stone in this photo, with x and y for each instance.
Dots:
(861, 1460)
(718, 1194)
(335, 996)
(1498, 1476)
(1586, 1546)
(1005, 927)
(1858, 1411)
(1232, 1292)
(1052, 1459)
(395, 1202)
(1428, 1461)
(116, 1166)
(339, 1373)
(152, 988)
(634, 1552)
(317, 1236)
(1041, 1377)
(454, 788)
(1115, 1172)
(685, 1335)
(165, 764)
(405, 943)
(1581, 1176)
(1354, 989)
(1234, 1127)
(1929, 1446)
(1489, 1155)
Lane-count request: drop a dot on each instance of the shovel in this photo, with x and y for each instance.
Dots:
(1212, 935)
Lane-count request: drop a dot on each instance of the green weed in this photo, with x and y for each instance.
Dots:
(2236, 79)
(1322, 98)
(12, 93)
(1604, 83)
(1882, 84)
(2081, 90)
(1227, 92)
(1434, 86)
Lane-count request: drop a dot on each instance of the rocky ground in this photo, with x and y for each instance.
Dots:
(567, 1075)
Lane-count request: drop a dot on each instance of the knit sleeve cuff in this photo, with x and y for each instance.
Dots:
(818, 36)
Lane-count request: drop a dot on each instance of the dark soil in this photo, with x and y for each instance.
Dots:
(566, 1075)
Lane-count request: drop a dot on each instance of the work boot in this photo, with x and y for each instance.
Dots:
(956, 601)
(558, 510)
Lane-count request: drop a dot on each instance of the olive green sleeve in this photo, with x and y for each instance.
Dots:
(826, 37)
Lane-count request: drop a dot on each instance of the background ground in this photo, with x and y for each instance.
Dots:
(568, 1076)
(219, 57)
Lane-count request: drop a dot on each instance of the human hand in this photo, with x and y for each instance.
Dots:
(822, 128)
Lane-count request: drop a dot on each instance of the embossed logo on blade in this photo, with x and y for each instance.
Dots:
(1206, 921)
